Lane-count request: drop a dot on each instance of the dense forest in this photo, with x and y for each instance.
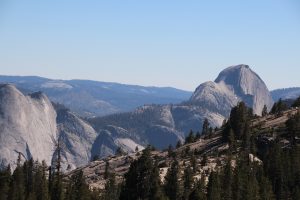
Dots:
(262, 166)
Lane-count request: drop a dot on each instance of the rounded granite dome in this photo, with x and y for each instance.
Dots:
(234, 84)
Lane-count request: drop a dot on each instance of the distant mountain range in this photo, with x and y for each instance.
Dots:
(92, 98)
(31, 124)
(286, 93)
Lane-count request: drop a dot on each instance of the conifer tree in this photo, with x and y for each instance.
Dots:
(205, 127)
(5, 179)
(264, 111)
(156, 192)
(17, 186)
(139, 178)
(178, 144)
(227, 181)
(187, 182)
(190, 138)
(172, 184)
(198, 192)
(79, 190)
(111, 191)
(41, 184)
(296, 102)
(106, 170)
(56, 183)
(279, 107)
(213, 187)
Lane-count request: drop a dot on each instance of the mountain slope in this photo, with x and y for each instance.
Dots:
(27, 125)
(161, 125)
(33, 126)
(192, 155)
(93, 98)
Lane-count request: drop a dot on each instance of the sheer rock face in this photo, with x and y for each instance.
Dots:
(234, 84)
(27, 125)
(32, 126)
(76, 137)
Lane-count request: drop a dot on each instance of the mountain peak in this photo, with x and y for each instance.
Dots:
(234, 84)
(234, 74)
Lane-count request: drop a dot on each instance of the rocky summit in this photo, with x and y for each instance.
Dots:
(234, 84)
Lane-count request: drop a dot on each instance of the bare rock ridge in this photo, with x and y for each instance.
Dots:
(27, 124)
(234, 84)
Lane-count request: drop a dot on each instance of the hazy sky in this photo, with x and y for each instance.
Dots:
(150, 42)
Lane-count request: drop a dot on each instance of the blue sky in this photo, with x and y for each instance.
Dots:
(155, 42)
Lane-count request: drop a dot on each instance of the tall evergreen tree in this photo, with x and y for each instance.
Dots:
(57, 192)
(139, 178)
(41, 184)
(296, 102)
(5, 178)
(279, 107)
(17, 186)
(172, 184)
(112, 190)
(205, 127)
(198, 192)
(187, 182)
(79, 190)
(264, 111)
(190, 138)
(213, 187)
(227, 181)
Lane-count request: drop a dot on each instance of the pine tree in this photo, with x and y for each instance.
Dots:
(204, 160)
(231, 141)
(194, 164)
(156, 192)
(227, 181)
(205, 127)
(106, 170)
(55, 177)
(112, 190)
(198, 135)
(187, 182)
(179, 144)
(239, 116)
(79, 189)
(296, 102)
(139, 178)
(293, 126)
(264, 111)
(265, 189)
(172, 184)
(41, 184)
(213, 187)
(28, 168)
(190, 138)
(5, 178)
(279, 107)
(198, 192)
(17, 186)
